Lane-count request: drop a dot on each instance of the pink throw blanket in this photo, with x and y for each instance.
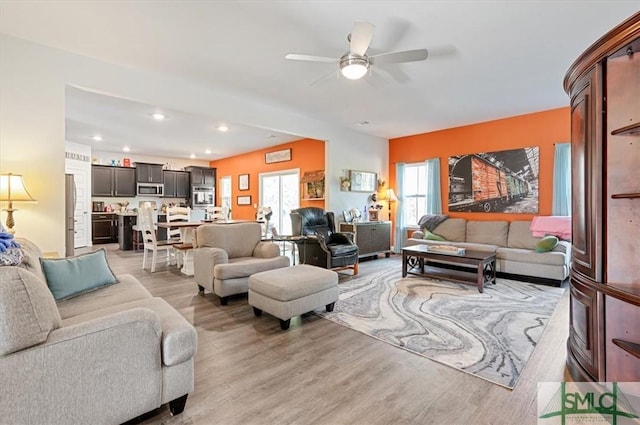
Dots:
(559, 226)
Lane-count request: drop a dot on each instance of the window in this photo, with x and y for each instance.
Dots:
(561, 203)
(225, 192)
(414, 192)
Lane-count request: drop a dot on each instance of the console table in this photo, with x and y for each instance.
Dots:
(372, 237)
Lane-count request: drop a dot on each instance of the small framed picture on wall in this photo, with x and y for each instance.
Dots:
(243, 182)
(244, 200)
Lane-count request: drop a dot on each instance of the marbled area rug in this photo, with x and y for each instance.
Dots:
(490, 335)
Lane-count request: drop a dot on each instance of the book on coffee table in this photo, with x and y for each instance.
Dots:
(446, 249)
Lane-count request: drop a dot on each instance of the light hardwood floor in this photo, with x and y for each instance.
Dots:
(248, 371)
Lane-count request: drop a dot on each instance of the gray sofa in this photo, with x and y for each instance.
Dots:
(225, 255)
(103, 357)
(510, 241)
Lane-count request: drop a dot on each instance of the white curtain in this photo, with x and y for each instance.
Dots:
(433, 198)
(561, 204)
(399, 218)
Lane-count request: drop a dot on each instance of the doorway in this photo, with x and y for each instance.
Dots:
(280, 190)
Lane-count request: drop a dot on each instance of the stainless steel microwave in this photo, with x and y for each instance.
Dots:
(150, 189)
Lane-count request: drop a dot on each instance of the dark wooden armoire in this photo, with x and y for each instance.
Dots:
(604, 87)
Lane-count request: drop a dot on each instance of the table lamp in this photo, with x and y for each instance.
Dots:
(12, 189)
(390, 197)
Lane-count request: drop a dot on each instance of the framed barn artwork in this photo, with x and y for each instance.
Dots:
(502, 181)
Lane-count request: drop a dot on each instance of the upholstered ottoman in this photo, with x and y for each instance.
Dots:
(291, 291)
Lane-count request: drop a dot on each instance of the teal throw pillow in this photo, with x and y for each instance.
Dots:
(73, 276)
(432, 236)
(546, 244)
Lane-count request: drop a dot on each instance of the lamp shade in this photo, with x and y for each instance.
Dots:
(12, 188)
(391, 196)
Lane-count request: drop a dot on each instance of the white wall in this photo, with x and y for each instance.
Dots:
(32, 83)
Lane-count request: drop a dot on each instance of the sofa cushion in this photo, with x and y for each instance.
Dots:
(127, 289)
(520, 235)
(73, 276)
(546, 244)
(27, 310)
(552, 258)
(245, 267)
(489, 232)
(479, 247)
(452, 229)
(31, 259)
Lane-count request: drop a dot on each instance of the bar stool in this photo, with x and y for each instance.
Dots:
(137, 241)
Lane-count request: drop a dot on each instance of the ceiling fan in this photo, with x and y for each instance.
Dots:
(355, 63)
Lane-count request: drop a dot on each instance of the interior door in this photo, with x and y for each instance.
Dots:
(280, 191)
(81, 212)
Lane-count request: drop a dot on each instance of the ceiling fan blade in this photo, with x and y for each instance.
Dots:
(398, 57)
(324, 77)
(310, 58)
(360, 37)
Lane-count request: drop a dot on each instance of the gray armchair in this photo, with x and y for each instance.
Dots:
(225, 255)
(323, 247)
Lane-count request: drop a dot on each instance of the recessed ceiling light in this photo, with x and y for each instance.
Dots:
(192, 156)
(223, 128)
(159, 116)
(208, 151)
(271, 136)
(126, 149)
(97, 138)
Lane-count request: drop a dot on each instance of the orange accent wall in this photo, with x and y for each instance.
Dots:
(542, 129)
(306, 154)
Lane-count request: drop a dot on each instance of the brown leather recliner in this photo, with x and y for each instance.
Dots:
(323, 247)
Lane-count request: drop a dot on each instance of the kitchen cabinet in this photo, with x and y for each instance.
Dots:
(176, 184)
(149, 173)
(604, 88)
(101, 181)
(104, 228)
(124, 182)
(109, 181)
(203, 176)
(372, 237)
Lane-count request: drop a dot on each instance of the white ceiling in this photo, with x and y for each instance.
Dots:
(123, 123)
(489, 59)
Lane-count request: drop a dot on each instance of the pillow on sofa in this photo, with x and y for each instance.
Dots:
(546, 244)
(28, 311)
(73, 276)
(432, 236)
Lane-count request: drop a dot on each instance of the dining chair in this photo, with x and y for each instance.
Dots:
(217, 213)
(151, 242)
(178, 214)
(183, 237)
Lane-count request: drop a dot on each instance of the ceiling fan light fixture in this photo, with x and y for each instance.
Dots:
(354, 66)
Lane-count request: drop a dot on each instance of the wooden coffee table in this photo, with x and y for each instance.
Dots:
(419, 257)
